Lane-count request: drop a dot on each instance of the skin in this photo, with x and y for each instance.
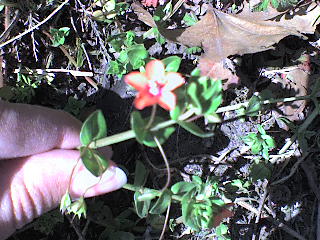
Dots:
(36, 159)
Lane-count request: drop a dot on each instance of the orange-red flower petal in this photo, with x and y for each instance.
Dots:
(167, 100)
(144, 99)
(174, 80)
(155, 70)
(137, 80)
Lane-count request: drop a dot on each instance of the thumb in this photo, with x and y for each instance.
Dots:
(33, 185)
(28, 129)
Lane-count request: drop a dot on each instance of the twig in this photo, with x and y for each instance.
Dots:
(273, 221)
(1, 73)
(265, 102)
(53, 70)
(36, 26)
(318, 222)
(62, 48)
(165, 161)
(261, 204)
(302, 128)
(310, 173)
(66, 53)
(85, 229)
(9, 26)
(165, 222)
(286, 228)
(76, 229)
(292, 171)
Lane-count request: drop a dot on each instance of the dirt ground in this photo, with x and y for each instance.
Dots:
(282, 204)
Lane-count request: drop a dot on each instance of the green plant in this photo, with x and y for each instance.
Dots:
(264, 4)
(131, 55)
(190, 19)
(59, 35)
(108, 10)
(74, 106)
(203, 203)
(260, 143)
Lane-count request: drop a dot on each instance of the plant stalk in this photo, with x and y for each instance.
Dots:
(134, 188)
(120, 137)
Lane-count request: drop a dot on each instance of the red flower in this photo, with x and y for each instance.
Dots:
(155, 86)
(149, 3)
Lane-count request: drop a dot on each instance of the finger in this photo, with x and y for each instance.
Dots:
(27, 129)
(33, 185)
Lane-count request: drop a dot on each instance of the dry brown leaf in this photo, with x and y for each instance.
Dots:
(219, 71)
(293, 83)
(222, 35)
(303, 19)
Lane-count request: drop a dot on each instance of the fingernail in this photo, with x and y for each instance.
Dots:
(113, 179)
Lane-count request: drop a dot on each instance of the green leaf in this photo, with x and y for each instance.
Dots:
(193, 50)
(140, 174)
(263, 5)
(162, 135)
(256, 147)
(193, 92)
(261, 130)
(175, 113)
(138, 125)
(222, 229)
(181, 103)
(196, 179)
(260, 171)
(130, 36)
(95, 162)
(254, 106)
(141, 207)
(121, 235)
(148, 194)
(187, 206)
(93, 128)
(269, 141)
(194, 129)
(123, 57)
(205, 94)
(182, 187)
(162, 203)
(78, 208)
(190, 19)
(137, 55)
(65, 202)
(115, 68)
(196, 72)
(172, 63)
(275, 3)
(58, 35)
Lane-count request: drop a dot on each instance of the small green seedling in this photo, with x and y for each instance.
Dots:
(260, 143)
(59, 35)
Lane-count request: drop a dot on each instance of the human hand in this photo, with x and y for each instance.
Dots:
(36, 160)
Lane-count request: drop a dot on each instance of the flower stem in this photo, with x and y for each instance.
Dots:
(120, 137)
(245, 104)
(134, 188)
(153, 114)
(166, 163)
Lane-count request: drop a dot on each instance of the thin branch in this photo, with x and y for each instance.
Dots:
(165, 161)
(36, 26)
(52, 71)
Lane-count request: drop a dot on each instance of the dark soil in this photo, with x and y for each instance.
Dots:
(286, 210)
